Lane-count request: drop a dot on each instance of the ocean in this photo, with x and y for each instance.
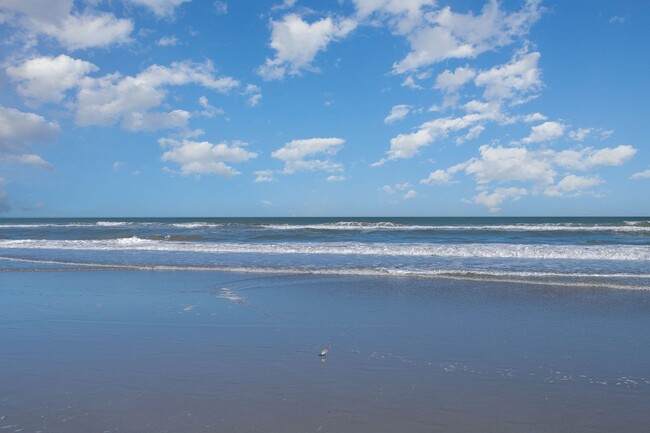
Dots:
(602, 252)
(465, 325)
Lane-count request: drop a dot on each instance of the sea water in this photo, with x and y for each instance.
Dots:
(606, 252)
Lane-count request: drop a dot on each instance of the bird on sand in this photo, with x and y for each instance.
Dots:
(324, 352)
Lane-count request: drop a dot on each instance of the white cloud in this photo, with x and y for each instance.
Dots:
(405, 146)
(451, 82)
(18, 129)
(403, 186)
(411, 193)
(398, 112)
(589, 157)
(547, 131)
(502, 164)
(536, 168)
(611, 156)
(266, 203)
(254, 94)
(112, 98)
(168, 41)
(473, 133)
(73, 31)
(264, 176)
(90, 31)
(534, 117)
(46, 78)
(645, 174)
(512, 81)
(295, 154)
(572, 185)
(162, 8)
(410, 82)
(208, 110)
(335, 178)
(616, 20)
(449, 35)
(117, 165)
(438, 177)
(403, 15)
(494, 200)
(204, 157)
(515, 79)
(297, 42)
(506, 164)
(580, 134)
(28, 159)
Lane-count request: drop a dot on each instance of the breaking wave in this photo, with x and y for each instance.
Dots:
(496, 250)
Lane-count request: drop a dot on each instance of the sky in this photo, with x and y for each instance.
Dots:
(324, 108)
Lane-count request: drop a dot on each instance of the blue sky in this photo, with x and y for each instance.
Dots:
(317, 108)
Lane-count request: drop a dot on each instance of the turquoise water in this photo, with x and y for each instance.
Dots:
(611, 252)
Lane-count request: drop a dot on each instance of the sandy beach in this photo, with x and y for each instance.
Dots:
(141, 351)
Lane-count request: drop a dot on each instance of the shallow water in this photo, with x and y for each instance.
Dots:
(144, 351)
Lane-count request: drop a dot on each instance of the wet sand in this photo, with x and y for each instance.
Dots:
(127, 351)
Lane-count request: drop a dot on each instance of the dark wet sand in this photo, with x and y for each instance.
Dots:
(108, 351)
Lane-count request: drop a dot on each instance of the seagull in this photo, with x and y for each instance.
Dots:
(324, 352)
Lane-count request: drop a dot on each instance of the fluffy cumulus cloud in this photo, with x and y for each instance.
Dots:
(450, 81)
(536, 170)
(573, 185)
(503, 164)
(405, 146)
(398, 112)
(300, 155)
(113, 98)
(588, 157)
(534, 117)
(411, 193)
(512, 83)
(204, 157)
(438, 177)
(19, 129)
(446, 34)
(495, 199)
(72, 29)
(45, 79)
(297, 42)
(402, 15)
(517, 78)
(547, 131)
